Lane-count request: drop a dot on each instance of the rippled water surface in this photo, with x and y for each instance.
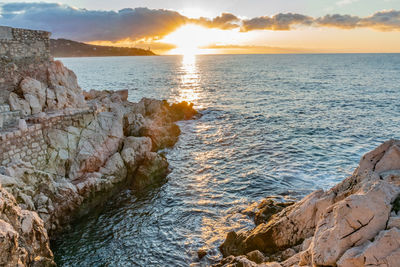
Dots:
(272, 125)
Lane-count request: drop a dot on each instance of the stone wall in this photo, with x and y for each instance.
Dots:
(31, 145)
(23, 53)
(20, 44)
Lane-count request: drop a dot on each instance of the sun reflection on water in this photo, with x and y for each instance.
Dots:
(189, 89)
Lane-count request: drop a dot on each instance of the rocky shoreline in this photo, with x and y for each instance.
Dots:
(355, 223)
(72, 150)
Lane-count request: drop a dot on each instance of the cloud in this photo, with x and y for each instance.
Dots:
(388, 20)
(152, 24)
(383, 21)
(346, 2)
(226, 21)
(89, 25)
(338, 21)
(279, 22)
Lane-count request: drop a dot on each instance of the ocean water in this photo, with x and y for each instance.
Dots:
(280, 125)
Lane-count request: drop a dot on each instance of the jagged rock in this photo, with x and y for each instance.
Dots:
(256, 256)
(115, 96)
(182, 111)
(17, 103)
(115, 168)
(141, 146)
(337, 226)
(85, 153)
(262, 212)
(23, 238)
(35, 93)
(389, 161)
(161, 136)
(236, 262)
(65, 85)
(133, 123)
(153, 168)
(288, 228)
(351, 222)
(383, 251)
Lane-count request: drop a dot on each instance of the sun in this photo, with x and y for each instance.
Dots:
(188, 40)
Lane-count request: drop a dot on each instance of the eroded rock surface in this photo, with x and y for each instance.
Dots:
(23, 237)
(356, 223)
(61, 91)
(105, 144)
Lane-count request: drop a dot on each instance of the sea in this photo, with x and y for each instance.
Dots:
(271, 125)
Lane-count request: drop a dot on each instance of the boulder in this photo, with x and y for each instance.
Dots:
(17, 103)
(161, 136)
(35, 93)
(153, 168)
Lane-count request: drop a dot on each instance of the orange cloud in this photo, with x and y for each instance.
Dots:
(153, 24)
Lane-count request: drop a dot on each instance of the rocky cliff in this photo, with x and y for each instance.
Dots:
(69, 151)
(356, 223)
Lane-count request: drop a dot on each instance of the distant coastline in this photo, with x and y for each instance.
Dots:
(69, 48)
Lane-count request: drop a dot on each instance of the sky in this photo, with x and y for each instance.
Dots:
(217, 26)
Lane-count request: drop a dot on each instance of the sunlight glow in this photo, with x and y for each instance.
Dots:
(188, 40)
(193, 39)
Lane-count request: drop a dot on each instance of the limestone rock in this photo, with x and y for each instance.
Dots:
(256, 256)
(383, 251)
(161, 136)
(133, 123)
(351, 222)
(35, 93)
(23, 238)
(389, 161)
(153, 168)
(65, 85)
(291, 226)
(337, 226)
(22, 125)
(17, 103)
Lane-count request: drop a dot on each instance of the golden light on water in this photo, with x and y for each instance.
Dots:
(189, 89)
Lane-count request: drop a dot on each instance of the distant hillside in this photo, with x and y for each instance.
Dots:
(68, 48)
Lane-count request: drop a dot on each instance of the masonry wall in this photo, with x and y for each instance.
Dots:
(22, 53)
(31, 145)
(22, 44)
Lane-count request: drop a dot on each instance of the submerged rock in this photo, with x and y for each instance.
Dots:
(262, 212)
(201, 253)
(353, 224)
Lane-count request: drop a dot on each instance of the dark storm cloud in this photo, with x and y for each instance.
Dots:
(143, 23)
